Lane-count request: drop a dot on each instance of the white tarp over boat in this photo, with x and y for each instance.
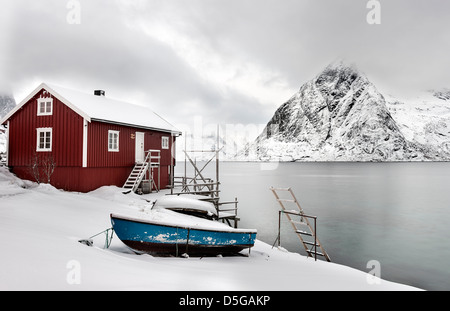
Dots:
(186, 202)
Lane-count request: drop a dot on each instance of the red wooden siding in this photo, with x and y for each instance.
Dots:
(67, 134)
(119, 164)
(99, 156)
(80, 179)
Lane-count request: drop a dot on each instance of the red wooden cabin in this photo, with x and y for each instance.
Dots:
(80, 141)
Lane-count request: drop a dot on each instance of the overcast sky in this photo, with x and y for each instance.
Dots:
(229, 61)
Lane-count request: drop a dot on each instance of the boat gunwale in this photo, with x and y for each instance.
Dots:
(156, 223)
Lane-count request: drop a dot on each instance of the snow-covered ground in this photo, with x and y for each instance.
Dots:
(40, 227)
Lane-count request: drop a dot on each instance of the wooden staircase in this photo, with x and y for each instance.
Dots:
(302, 227)
(139, 172)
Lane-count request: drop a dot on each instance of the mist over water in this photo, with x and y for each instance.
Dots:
(395, 213)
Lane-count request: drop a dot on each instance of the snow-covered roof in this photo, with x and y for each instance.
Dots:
(103, 109)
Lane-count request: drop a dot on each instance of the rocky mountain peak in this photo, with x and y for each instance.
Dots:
(7, 103)
(338, 115)
(338, 72)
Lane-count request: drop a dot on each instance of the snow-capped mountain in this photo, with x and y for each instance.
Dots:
(424, 119)
(7, 103)
(341, 116)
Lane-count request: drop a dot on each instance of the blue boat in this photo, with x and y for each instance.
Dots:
(154, 237)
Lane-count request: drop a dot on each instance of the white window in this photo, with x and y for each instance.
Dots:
(164, 142)
(45, 106)
(44, 139)
(113, 140)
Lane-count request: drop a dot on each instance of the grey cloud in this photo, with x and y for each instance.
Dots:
(294, 38)
(99, 51)
(299, 38)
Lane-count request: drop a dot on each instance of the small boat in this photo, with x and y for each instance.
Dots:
(176, 238)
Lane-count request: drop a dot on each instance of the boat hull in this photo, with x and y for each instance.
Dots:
(155, 238)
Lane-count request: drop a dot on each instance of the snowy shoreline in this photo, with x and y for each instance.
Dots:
(40, 227)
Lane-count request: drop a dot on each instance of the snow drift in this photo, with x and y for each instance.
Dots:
(40, 227)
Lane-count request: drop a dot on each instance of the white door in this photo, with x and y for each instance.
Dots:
(139, 150)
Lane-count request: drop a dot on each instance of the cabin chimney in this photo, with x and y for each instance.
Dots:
(99, 92)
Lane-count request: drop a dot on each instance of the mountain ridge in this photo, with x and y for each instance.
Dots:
(339, 115)
(7, 103)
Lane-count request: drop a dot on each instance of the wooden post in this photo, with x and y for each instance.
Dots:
(197, 171)
(315, 239)
(279, 228)
(185, 164)
(217, 161)
(172, 166)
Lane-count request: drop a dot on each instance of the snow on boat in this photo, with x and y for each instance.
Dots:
(188, 204)
(184, 234)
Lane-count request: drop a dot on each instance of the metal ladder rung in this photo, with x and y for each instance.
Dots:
(316, 253)
(299, 222)
(303, 232)
(286, 200)
(280, 189)
(311, 243)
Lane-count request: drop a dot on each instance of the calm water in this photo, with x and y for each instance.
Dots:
(396, 213)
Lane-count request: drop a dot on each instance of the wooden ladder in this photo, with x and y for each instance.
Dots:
(303, 227)
(152, 160)
(136, 176)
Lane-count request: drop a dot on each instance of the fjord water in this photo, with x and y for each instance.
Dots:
(395, 213)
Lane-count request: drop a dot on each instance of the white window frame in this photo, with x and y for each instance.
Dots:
(113, 147)
(48, 131)
(165, 142)
(43, 102)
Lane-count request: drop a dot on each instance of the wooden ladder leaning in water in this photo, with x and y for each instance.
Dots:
(306, 229)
